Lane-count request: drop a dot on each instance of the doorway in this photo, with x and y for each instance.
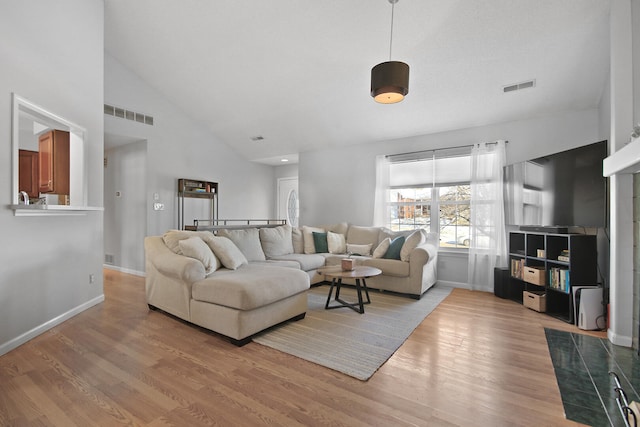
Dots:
(125, 202)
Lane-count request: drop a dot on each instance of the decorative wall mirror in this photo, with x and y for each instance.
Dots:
(49, 161)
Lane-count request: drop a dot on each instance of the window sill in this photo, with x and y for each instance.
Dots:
(49, 210)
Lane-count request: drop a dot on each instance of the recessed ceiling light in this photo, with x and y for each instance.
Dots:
(284, 160)
(257, 138)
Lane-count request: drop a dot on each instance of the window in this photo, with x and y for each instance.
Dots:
(432, 193)
(410, 208)
(454, 216)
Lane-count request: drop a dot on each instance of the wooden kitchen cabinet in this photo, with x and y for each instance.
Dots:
(28, 172)
(54, 162)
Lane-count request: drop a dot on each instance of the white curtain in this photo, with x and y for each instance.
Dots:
(381, 203)
(488, 247)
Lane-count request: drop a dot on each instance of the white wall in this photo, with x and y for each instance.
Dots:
(604, 119)
(46, 261)
(344, 178)
(286, 171)
(635, 12)
(338, 184)
(623, 56)
(178, 147)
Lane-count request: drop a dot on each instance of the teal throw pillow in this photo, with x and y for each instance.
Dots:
(320, 242)
(394, 248)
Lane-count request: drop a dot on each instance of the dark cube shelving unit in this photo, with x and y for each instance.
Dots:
(524, 250)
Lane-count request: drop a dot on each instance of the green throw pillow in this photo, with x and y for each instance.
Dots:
(320, 242)
(394, 248)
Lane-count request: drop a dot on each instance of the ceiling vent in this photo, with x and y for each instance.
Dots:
(519, 86)
(122, 113)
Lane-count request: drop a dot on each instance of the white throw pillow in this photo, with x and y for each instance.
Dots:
(336, 242)
(247, 240)
(228, 253)
(307, 234)
(411, 242)
(195, 247)
(364, 250)
(382, 248)
(172, 237)
(276, 241)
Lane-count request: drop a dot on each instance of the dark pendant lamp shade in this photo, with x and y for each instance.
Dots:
(389, 82)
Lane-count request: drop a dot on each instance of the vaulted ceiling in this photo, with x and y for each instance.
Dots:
(297, 72)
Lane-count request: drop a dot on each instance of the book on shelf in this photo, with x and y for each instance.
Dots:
(559, 279)
(517, 266)
(564, 255)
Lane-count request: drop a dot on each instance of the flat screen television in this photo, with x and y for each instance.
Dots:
(560, 189)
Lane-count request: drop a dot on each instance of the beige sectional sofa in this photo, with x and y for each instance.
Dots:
(240, 282)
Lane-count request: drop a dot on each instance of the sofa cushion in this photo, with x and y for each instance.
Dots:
(307, 234)
(277, 263)
(307, 262)
(416, 238)
(336, 242)
(339, 228)
(172, 238)
(382, 248)
(250, 286)
(389, 267)
(394, 248)
(333, 260)
(385, 232)
(297, 240)
(364, 250)
(359, 235)
(276, 241)
(195, 247)
(226, 251)
(320, 242)
(247, 240)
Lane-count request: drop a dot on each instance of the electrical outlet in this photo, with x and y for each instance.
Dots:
(92, 278)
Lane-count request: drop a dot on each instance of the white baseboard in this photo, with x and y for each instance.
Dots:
(454, 284)
(18, 341)
(621, 340)
(124, 270)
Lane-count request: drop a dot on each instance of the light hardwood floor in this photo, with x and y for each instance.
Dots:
(477, 360)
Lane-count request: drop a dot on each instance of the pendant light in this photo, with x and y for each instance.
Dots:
(390, 80)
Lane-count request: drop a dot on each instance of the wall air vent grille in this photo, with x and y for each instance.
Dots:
(519, 86)
(108, 258)
(122, 113)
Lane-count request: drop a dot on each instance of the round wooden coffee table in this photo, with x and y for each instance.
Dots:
(359, 273)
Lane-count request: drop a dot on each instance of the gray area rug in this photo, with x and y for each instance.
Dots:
(349, 342)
